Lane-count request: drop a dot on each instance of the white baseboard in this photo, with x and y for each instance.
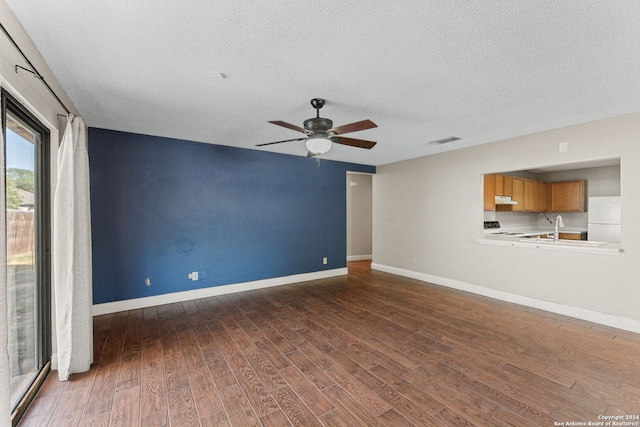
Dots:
(566, 310)
(133, 304)
(359, 257)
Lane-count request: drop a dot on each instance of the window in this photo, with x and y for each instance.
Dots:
(27, 195)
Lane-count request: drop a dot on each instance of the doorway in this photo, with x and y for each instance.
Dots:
(27, 224)
(359, 216)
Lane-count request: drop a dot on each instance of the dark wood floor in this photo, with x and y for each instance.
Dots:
(370, 349)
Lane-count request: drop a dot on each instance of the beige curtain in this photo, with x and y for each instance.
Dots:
(72, 253)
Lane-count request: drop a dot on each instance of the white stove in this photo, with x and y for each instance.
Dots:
(490, 226)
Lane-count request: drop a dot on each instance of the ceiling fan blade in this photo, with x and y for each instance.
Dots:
(353, 142)
(353, 127)
(278, 142)
(289, 126)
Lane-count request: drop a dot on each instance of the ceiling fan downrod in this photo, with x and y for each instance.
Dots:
(317, 103)
(318, 124)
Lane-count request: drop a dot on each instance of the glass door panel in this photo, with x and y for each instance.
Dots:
(21, 256)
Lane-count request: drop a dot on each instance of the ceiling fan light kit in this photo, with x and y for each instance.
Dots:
(318, 145)
(320, 133)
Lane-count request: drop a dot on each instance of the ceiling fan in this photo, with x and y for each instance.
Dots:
(320, 133)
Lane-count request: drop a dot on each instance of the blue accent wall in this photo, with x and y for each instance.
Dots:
(162, 208)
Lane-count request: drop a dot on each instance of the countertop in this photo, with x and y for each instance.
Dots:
(492, 237)
(527, 230)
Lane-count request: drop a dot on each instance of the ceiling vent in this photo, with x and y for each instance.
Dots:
(444, 140)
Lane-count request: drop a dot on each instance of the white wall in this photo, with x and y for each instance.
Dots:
(359, 221)
(430, 210)
(31, 93)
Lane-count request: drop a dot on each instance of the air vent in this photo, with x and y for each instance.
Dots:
(444, 140)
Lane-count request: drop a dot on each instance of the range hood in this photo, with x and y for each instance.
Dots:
(505, 200)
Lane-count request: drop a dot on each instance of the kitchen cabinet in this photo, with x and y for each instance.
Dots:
(567, 196)
(499, 179)
(497, 185)
(518, 194)
(529, 195)
(508, 186)
(523, 193)
(490, 192)
(573, 236)
(532, 195)
(504, 185)
(541, 196)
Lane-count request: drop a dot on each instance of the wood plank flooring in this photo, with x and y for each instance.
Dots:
(367, 349)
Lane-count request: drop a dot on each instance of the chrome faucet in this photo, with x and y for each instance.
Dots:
(559, 223)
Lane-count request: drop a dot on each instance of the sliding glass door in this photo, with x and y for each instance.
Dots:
(27, 228)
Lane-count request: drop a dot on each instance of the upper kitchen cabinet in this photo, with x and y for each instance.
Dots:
(497, 185)
(554, 188)
(567, 196)
(518, 195)
(490, 192)
(500, 190)
(528, 195)
(504, 185)
(542, 196)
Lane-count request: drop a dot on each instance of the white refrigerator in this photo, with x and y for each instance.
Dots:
(604, 219)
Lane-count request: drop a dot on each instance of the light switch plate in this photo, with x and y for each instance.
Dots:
(563, 147)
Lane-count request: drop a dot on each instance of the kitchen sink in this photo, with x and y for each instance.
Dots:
(546, 240)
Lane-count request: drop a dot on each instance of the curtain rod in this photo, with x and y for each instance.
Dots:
(33, 69)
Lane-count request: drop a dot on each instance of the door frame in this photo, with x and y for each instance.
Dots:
(349, 208)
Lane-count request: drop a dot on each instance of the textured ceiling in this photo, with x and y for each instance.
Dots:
(422, 70)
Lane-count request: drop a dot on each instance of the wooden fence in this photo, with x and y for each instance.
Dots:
(20, 237)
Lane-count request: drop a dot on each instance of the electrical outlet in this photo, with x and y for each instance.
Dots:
(324, 261)
(193, 276)
(147, 281)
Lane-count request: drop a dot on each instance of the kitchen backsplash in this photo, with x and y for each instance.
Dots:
(571, 219)
(519, 219)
